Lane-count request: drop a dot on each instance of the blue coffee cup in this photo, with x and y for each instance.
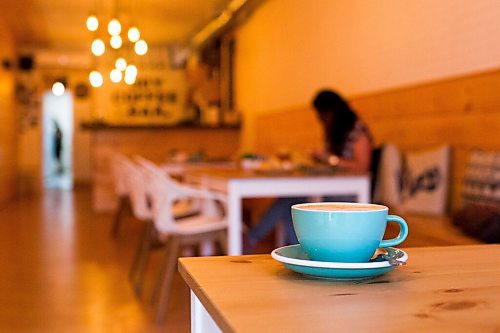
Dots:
(344, 232)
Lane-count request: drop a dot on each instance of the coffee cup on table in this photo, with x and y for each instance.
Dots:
(344, 232)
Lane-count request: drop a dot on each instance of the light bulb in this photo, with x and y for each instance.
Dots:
(141, 47)
(98, 47)
(115, 75)
(92, 23)
(121, 64)
(58, 89)
(114, 27)
(133, 34)
(116, 42)
(95, 79)
(130, 74)
(129, 78)
(131, 70)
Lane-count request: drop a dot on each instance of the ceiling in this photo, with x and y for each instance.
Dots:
(60, 24)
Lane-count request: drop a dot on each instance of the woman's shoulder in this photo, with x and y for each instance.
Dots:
(360, 129)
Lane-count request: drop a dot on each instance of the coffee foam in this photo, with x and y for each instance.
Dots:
(340, 207)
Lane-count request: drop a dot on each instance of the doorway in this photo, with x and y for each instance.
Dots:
(57, 140)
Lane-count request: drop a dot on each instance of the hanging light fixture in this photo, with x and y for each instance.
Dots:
(119, 45)
(141, 47)
(129, 79)
(115, 42)
(114, 27)
(131, 70)
(58, 88)
(133, 34)
(115, 75)
(95, 79)
(121, 64)
(92, 23)
(98, 47)
(130, 74)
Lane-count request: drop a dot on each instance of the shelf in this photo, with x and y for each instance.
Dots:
(94, 125)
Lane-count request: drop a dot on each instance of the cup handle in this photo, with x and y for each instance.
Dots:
(403, 233)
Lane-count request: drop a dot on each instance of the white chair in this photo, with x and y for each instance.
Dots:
(209, 225)
(183, 207)
(142, 211)
(136, 180)
(121, 191)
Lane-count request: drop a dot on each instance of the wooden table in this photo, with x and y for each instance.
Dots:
(441, 289)
(240, 184)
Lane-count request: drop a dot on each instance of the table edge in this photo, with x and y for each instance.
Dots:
(219, 319)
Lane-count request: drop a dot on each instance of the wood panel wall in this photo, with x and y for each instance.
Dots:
(8, 131)
(295, 129)
(8, 121)
(462, 112)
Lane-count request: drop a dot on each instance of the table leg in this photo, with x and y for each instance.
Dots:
(201, 321)
(364, 191)
(234, 238)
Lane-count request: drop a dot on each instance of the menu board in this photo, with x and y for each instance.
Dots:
(157, 97)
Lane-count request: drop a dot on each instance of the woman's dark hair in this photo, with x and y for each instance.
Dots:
(330, 104)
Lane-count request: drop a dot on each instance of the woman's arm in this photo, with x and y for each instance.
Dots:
(362, 151)
(362, 156)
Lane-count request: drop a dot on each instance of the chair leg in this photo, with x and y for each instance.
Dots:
(123, 204)
(137, 254)
(161, 273)
(140, 262)
(166, 285)
(222, 238)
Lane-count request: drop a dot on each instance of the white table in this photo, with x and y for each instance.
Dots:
(240, 184)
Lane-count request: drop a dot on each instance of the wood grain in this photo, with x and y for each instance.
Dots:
(62, 271)
(8, 118)
(441, 289)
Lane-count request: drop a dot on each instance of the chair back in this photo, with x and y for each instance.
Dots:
(136, 182)
(164, 192)
(118, 172)
(163, 195)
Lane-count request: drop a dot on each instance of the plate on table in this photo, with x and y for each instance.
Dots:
(318, 170)
(295, 259)
(274, 172)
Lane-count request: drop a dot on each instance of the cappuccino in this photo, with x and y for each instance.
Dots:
(340, 207)
(344, 231)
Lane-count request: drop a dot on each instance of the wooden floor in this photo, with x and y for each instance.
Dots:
(62, 272)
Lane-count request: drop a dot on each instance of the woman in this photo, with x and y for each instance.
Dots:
(348, 145)
(348, 142)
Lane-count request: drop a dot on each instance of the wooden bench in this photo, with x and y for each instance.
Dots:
(430, 231)
(424, 230)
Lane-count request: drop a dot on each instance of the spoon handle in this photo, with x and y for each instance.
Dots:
(392, 261)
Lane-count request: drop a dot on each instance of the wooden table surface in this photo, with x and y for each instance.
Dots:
(441, 289)
(233, 171)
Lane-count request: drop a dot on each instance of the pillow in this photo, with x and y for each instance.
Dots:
(482, 179)
(425, 181)
(387, 187)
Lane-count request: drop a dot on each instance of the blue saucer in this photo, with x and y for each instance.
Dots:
(295, 259)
